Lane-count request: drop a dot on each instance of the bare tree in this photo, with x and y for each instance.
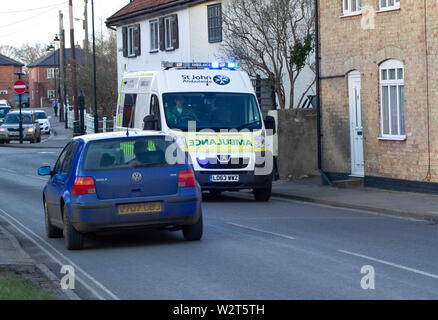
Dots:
(26, 53)
(106, 74)
(272, 38)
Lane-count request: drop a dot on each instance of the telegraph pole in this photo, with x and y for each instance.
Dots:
(96, 118)
(62, 100)
(73, 61)
(85, 24)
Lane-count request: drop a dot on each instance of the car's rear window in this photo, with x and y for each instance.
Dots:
(41, 115)
(131, 153)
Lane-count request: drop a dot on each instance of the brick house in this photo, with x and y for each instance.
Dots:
(8, 67)
(379, 74)
(42, 77)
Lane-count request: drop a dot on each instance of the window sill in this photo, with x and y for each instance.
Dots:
(353, 14)
(388, 9)
(395, 138)
(154, 51)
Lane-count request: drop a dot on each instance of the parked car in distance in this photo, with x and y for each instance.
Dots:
(4, 103)
(43, 119)
(3, 112)
(119, 181)
(10, 129)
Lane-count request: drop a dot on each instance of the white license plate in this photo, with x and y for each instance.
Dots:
(14, 133)
(224, 178)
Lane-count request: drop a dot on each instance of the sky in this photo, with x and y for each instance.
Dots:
(37, 21)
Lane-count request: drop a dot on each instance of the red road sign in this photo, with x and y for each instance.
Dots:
(20, 86)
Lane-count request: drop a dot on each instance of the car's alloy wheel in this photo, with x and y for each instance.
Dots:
(194, 232)
(73, 239)
(51, 231)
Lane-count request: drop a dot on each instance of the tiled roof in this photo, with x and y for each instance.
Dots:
(5, 61)
(53, 61)
(138, 7)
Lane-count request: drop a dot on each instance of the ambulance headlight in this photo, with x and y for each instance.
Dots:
(259, 142)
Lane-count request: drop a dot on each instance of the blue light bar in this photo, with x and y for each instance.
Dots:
(200, 65)
(232, 65)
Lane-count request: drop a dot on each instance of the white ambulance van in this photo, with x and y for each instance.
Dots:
(212, 110)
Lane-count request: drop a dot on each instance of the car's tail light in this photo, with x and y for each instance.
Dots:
(186, 178)
(84, 185)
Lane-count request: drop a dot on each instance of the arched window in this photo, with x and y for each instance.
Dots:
(392, 100)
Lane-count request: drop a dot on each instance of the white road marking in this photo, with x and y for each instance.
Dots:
(46, 152)
(70, 262)
(39, 178)
(430, 275)
(262, 231)
(8, 170)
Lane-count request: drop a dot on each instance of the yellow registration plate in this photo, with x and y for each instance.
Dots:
(133, 208)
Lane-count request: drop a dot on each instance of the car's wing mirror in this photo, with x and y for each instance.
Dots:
(270, 124)
(150, 122)
(45, 171)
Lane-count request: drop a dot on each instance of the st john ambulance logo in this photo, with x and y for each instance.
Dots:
(221, 80)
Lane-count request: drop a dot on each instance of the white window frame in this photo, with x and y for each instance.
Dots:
(51, 73)
(347, 6)
(154, 35)
(168, 32)
(387, 5)
(130, 35)
(51, 94)
(398, 82)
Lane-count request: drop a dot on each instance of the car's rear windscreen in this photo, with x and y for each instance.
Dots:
(132, 153)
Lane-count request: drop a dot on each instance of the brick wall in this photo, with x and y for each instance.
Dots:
(7, 79)
(346, 46)
(38, 86)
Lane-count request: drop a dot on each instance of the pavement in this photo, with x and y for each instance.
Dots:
(404, 204)
(14, 259)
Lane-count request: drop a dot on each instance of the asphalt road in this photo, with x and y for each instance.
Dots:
(277, 250)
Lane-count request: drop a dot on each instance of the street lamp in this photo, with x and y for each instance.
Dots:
(50, 48)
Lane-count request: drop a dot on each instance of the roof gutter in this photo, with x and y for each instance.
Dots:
(113, 22)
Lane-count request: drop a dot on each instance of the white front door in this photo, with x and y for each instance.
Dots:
(356, 130)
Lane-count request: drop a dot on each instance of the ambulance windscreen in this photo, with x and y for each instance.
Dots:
(214, 111)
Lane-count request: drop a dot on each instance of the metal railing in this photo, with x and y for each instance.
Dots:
(105, 124)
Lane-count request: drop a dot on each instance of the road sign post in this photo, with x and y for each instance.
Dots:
(20, 88)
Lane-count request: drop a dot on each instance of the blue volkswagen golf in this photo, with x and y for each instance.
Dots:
(121, 181)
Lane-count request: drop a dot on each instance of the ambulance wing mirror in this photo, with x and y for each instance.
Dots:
(150, 122)
(270, 124)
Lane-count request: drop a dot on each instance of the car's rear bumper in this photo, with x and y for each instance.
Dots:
(247, 180)
(94, 216)
(13, 138)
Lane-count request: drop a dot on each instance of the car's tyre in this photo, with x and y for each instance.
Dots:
(263, 194)
(194, 232)
(7, 141)
(73, 239)
(51, 231)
